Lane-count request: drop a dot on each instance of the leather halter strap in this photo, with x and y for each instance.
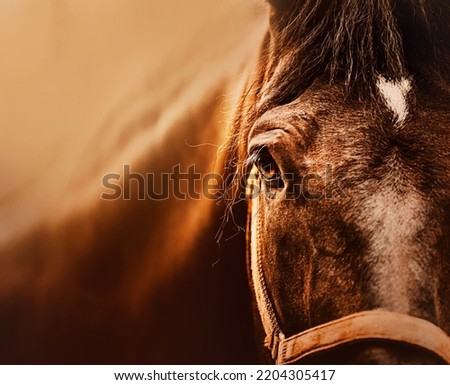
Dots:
(366, 325)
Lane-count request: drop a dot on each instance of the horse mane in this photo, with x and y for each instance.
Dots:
(350, 42)
(355, 41)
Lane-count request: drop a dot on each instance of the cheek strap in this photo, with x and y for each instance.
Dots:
(263, 301)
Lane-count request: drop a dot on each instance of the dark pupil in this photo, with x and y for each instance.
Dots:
(268, 169)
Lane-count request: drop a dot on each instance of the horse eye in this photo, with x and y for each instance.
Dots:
(268, 170)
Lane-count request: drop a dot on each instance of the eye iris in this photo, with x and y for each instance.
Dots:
(269, 170)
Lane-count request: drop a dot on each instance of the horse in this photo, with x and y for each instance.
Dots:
(341, 145)
(334, 206)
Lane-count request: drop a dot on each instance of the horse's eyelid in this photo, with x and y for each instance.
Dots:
(254, 150)
(254, 153)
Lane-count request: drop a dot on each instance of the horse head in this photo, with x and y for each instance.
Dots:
(343, 142)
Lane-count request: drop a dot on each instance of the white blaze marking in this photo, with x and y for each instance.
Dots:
(395, 95)
(394, 221)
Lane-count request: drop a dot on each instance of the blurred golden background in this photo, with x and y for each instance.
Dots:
(85, 88)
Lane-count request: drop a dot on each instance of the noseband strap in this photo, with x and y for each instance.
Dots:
(366, 325)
